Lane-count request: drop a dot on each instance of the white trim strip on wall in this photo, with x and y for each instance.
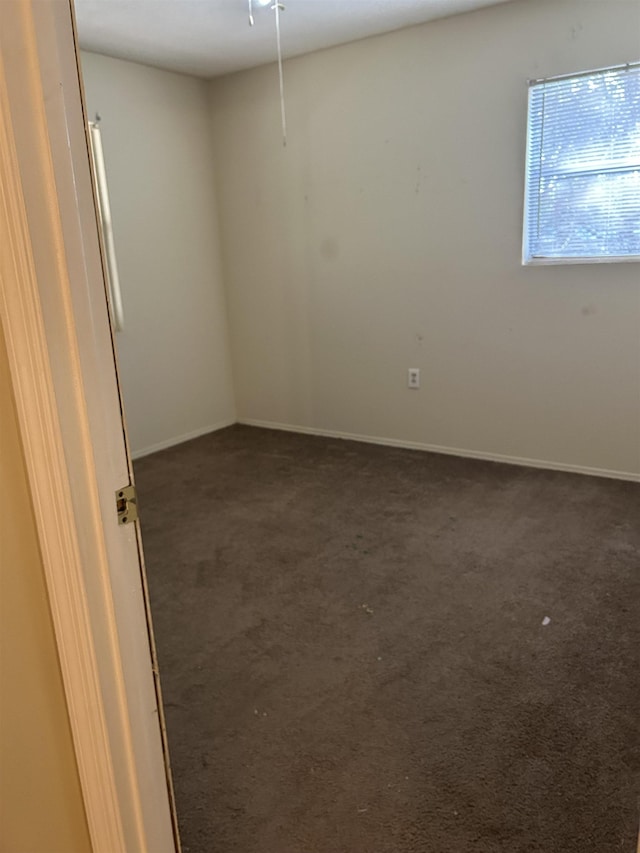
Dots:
(448, 451)
(180, 439)
(524, 461)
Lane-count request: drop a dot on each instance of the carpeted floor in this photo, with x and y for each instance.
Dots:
(353, 653)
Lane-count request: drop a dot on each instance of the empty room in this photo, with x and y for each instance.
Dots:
(375, 295)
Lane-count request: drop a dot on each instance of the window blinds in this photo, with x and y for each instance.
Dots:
(583, 167)
(104, 212)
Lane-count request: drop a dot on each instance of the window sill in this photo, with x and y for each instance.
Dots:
(543, 262)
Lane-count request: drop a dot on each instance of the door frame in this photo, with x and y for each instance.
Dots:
(127, 807)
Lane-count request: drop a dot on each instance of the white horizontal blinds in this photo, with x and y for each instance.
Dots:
(104, 210)
(583, 168)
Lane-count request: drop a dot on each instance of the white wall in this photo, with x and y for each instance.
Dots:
(174, 352)
(387, 235)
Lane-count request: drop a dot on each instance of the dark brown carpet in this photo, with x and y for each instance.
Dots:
(353, 656)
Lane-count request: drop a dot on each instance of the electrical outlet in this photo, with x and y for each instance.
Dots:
(413, 377)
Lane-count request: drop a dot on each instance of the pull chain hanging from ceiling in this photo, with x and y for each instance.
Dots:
(276, 8)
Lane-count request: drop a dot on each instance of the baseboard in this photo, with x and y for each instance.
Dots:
(448, 451)
(180, 439)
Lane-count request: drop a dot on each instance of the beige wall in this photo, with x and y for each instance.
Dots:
(387, 235)
(173, 352)
(41, 809)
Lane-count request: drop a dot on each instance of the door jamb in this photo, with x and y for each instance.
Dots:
(71, 539)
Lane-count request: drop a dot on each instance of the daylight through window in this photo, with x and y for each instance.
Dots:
(583, 168)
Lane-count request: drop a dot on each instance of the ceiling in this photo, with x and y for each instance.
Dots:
(207, 38)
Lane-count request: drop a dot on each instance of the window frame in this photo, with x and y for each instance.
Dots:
(541, 260)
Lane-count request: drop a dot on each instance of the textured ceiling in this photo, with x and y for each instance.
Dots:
(211, 37)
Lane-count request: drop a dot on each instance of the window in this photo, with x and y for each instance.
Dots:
(583, 168)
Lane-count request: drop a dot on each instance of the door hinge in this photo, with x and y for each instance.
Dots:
(127, 504)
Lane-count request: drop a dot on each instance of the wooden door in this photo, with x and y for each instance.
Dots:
(54, 308)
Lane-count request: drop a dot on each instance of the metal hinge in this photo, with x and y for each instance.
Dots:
(127, 504)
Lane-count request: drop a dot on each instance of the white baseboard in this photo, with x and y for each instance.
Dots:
(180, 439)
(448, 451)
